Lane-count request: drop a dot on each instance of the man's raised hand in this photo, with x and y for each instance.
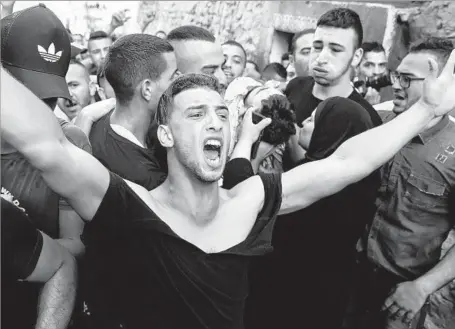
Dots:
(439, 91)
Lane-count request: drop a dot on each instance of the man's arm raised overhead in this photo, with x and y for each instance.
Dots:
(361, 155)
(31, 128)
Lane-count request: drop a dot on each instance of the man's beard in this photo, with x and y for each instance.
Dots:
(330, 82)
(187, 160)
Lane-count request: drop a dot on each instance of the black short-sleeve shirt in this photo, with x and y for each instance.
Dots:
(161, 280)
(299, 91)
(21, 243)
(123, 157)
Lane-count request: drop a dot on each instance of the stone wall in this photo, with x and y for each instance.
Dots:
(252, 23)
(243, 21)
(436, 18)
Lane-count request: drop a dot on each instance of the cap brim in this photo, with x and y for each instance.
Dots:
(76, 49)
(44, 85)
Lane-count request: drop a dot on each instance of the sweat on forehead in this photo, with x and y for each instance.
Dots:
(182, 83)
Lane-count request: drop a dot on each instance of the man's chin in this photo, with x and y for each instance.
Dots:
(321, 81)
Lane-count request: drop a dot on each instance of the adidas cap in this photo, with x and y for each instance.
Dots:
(36, 49)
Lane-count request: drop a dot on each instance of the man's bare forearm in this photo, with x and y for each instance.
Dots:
(56, 302)
(374, 147)
(440, 275)
(73, 245)
(354, 160)
(26, 121)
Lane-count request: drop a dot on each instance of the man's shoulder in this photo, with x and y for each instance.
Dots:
(296, 84)
(75, 135)
(356, 97)
(386, 116)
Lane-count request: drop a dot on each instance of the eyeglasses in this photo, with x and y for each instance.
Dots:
(404, 80)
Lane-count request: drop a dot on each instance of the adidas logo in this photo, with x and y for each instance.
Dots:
(49, 55)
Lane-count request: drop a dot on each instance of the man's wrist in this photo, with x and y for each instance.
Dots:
(426, 285)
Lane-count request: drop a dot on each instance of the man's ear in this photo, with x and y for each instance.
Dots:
(358, 54)
(165, 137)
(147, 89)
(92, 88)
(291, 59)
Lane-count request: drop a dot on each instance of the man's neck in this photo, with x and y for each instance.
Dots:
(199, 201)
(134, 117)
(341, 88)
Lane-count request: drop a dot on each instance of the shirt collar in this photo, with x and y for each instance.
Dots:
(428, 134)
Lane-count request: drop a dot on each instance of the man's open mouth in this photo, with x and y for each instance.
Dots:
(212, 151)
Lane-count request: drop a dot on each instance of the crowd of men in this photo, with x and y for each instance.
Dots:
(167, 181)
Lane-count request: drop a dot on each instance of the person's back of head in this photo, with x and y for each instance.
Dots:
(274, 71)
(190, 32)
(37, 57)
(134, 58)
(343, 18)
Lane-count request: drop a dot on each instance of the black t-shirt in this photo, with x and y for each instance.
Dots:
(21, 248)
(21, 243)
(299, 91)
(149, 277)
(24, 184)
(130, 161)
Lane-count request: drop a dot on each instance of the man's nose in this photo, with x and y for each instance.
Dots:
(219, 74)
(227, 64)
(322, 57)
(214, 122)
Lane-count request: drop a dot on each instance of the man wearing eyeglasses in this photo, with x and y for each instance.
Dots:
(401, 270)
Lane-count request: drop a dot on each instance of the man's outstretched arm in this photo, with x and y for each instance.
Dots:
(361, 155)
(31, 128)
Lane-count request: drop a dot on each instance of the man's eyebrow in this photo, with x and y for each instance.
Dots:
(336, 45)
(196, 107)
(409, 74)
(222, 107)
(210, 67)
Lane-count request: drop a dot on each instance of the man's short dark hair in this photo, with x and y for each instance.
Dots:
(297, 37)
(277, 68)
(98, 35)
(190, 32)
(182, 83)
(374, 47)
(439, 47)
(78, 63)
(256, 67)
(132, 59)
(235, 43)
(343, 18)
